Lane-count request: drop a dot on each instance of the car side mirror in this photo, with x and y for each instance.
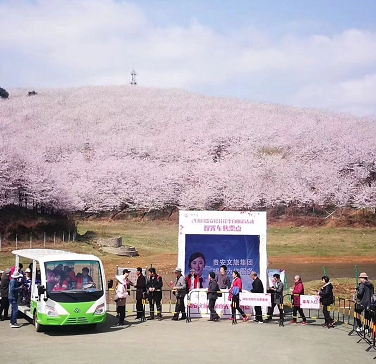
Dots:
(110, 283)
(41, 290)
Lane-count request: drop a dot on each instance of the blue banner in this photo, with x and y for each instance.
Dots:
(206, 253)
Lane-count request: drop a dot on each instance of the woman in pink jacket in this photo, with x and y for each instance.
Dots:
(120, 298)
(235, 289)
(296, 293)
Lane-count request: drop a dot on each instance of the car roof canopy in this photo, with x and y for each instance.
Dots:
(51, 254)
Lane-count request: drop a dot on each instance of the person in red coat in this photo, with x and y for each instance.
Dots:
(235, 289)
(193, 280)
(296, 293)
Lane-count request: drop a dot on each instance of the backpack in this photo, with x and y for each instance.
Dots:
(373, 298)
(372, 306)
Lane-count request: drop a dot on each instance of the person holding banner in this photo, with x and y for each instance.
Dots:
(296, 293)
(277, 292)
(212, 296)
(326, 299)
(257, 287)
(235, 289)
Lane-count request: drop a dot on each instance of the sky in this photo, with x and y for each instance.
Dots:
(305, 53)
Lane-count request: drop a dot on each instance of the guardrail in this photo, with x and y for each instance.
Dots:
(364, 326)
(130, 307)
(342, 311)
(224, 306)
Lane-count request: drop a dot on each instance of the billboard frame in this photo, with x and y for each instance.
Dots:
(224, 223)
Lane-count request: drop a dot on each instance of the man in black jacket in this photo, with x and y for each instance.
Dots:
(364, 294)
(4, 291)
(154, 288)
(326, 299)
(257, 287)
(140, 289)
(212, 296)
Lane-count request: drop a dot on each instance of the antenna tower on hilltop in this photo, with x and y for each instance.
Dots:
(133, 74)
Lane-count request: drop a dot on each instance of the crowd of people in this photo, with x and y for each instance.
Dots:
(62, 278)
(15, 286)
(151, 289)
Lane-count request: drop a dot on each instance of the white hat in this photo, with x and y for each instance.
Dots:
(28, 270)
(177, 270)
(121, 279)
(16, 274)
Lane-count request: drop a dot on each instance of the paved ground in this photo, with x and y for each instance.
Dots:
(178, 342)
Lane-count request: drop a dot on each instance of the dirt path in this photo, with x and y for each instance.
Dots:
(303, 259)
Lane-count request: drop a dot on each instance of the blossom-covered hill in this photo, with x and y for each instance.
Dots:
(99, 148)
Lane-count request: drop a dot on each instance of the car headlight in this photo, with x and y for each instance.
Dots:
(99, 310)
(51, 311)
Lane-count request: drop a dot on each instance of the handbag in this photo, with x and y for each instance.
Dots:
(235, 291)
(359, 307)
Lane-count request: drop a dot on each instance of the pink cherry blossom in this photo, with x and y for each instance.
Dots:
(104, 148)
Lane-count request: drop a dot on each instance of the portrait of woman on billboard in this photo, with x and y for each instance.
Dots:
(197, 261)
(207, 253)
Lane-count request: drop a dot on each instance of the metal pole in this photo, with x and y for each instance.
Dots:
(287, 287)
(54, 238)
(63, 236)
(68, 236)
(44, 239)
(31, 240)
(16, 242)
(357, 275)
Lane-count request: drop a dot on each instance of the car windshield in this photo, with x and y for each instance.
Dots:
(73, 276)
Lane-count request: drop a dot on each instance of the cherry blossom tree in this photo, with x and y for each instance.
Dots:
(107, 148)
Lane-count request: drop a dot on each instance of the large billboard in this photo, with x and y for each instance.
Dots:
(209, 239)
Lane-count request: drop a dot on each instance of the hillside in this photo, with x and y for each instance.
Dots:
(103, 148)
